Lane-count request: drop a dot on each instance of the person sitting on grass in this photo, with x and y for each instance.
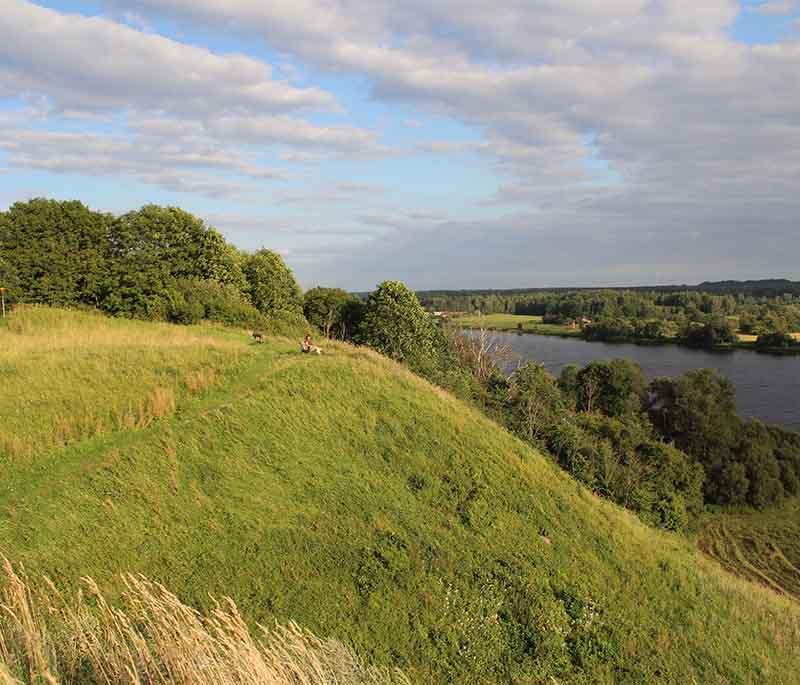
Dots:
(308, 346)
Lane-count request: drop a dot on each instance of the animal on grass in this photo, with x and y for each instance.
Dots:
(258, 337)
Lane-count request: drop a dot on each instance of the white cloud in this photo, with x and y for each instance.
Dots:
(93, 63)
(178, 167)
(182, 105)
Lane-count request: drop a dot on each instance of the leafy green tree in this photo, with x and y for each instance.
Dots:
(719, 331)
(615, 388)
(756, 451)
(776, 340)
(153, 248)
(395, 324)
(568, 384)
(332, 310)
(54, 252)
(676, 483)
(535, 401)
(271, 285)
(698, 413)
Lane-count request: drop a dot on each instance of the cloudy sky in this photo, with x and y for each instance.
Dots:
(447, 143)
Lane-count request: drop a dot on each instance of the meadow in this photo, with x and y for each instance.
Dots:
(761, 546)
(346, 494)
(515, 322)
(69, 378)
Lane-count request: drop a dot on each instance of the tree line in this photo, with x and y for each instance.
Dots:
(159, 263)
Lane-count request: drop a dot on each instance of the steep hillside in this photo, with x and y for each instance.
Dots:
(345, 493)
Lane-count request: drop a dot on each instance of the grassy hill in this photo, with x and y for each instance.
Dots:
(346, 494)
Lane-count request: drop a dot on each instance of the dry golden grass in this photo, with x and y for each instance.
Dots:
(152, 638)
(34, 328)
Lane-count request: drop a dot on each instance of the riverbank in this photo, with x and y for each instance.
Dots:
(517, 323)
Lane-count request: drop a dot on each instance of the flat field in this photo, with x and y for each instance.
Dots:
(512, 322)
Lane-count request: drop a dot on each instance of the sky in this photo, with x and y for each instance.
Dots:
(445, 143)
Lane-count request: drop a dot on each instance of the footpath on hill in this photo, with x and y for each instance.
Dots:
(345, 493)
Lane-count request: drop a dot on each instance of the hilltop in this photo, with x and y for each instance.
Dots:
(347, 494)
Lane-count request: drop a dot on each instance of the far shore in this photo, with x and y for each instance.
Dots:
(534, 325)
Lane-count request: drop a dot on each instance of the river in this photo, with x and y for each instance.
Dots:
(767, 386)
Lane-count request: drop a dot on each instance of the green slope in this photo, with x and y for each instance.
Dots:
(345, 493)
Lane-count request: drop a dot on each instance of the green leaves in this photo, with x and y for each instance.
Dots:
(334, 311)
(271, 284)
(396, 325)
(153, 263)
(54, 252)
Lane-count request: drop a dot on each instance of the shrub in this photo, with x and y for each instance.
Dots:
(193, 300)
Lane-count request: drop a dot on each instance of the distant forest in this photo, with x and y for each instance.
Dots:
(710, 313)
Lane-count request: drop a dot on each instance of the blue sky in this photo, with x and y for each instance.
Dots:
(481, 145)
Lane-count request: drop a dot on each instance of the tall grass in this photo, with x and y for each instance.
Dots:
(152, 638)
(68, 376)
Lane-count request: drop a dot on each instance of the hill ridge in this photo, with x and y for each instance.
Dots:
(347, 494)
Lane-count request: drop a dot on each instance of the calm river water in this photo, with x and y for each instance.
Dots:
(767, 386)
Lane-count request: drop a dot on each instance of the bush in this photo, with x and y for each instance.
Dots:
(776, 340)
(717, 332)
(395, 324)
(193, 300)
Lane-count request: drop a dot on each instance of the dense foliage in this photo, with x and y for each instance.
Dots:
(395, 324)
(54, 253)
(746, 463)
(333, 311)
(158, 263)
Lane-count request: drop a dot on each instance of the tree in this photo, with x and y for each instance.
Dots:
(776, 340)
(54, 252)
(332, 310)
(8, 279)
(568, 384)
(153, 248)
(719, 331)
(615, 388)
(697, 412)
(271, 284)
(535, 401)
(395, 324)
